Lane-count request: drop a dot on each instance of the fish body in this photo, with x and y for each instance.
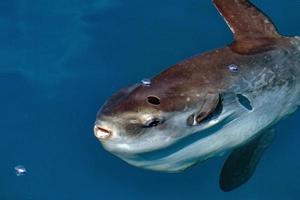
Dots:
(227, 99)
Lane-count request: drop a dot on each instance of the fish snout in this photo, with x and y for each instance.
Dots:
(102, 131)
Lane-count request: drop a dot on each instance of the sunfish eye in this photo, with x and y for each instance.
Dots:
(152, 123)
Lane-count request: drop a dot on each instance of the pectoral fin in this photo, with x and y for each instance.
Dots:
(210, 105)
(242, 162)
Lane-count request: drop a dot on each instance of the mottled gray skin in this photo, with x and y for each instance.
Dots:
(278, 69)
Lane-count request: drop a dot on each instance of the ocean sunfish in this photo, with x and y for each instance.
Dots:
(224, 100)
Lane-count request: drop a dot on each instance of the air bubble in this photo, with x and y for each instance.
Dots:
(146, 82)
(233, 68)
(20, 170)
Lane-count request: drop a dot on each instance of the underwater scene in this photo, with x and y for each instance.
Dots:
(66, 136)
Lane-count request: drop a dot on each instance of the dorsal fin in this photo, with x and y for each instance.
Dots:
(253, 31)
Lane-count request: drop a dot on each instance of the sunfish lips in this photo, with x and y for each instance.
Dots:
(101, 133)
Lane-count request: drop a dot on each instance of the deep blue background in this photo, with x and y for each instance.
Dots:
(60, 60)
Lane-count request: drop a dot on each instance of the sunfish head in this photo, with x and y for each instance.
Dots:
(150, 126)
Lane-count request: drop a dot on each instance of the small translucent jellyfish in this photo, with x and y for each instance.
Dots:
(20, 170)
(146, 82)
(233, 68)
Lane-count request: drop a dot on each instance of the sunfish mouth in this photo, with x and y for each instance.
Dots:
(101, 133)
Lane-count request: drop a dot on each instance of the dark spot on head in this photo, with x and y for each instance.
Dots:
(244, 101)
(153, 100)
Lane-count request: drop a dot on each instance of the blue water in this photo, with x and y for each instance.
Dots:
(61, 59)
